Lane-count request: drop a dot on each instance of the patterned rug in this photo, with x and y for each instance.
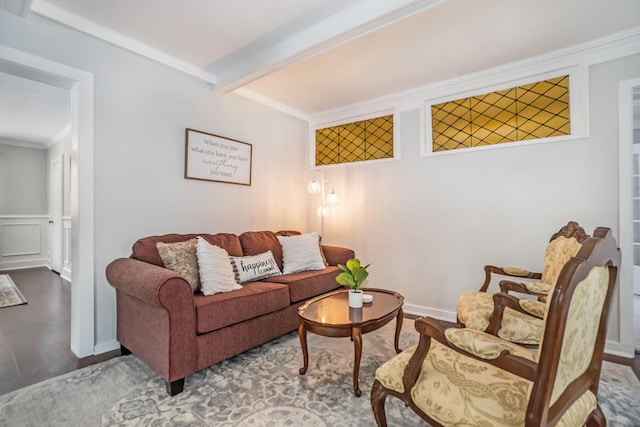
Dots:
(10, 295)
(260, 387)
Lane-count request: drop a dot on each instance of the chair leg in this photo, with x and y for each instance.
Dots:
(378, 397)
(596, 419)
(175, 387)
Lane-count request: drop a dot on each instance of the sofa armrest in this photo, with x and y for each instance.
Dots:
(337, 255)
(156, 317)
(149, 283)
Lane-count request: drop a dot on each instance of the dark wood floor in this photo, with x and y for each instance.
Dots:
(34, 338)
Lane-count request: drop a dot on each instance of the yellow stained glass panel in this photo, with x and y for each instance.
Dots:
(357, 141)
(533, 111)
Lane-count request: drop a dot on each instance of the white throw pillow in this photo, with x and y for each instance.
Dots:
(216, 272)
(301, 253)
(254, 267)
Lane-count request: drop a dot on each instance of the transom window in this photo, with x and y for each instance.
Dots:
(363, 140)
(532, 111)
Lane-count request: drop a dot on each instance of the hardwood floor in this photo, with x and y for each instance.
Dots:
(35, 337)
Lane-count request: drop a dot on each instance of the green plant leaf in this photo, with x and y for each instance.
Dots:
(346, 279)
(359, 274)
(343, 268)
(353, 263)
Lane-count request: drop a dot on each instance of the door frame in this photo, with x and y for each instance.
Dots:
(81, 86)
(625, 239)
(56, 199)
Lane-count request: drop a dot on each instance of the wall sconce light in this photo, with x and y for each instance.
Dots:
(331, 199)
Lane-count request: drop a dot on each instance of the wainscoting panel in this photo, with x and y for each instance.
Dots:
(23, 241)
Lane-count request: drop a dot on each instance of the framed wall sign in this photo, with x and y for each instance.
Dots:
(210, 157)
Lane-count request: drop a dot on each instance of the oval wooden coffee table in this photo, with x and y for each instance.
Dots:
(330, 316)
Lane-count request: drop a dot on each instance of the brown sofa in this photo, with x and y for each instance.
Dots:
(177, 332)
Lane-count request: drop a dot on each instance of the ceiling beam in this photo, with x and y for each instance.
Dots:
(349, 24)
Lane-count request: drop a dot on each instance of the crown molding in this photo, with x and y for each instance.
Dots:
(54, 13)
(270, 102)
(23, 143)
(58, 137)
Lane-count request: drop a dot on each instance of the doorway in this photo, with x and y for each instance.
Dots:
(629, 211)
(80, 85)
(636, 218)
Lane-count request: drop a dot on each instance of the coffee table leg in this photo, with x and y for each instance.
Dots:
(396, 340)
(302, 333)
(356, 335)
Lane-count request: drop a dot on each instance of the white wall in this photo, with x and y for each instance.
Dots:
(429, 225)
(23, 180)
(23, 206)
(141, 112)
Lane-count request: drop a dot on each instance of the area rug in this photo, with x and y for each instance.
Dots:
(10, 295)
(261, 387)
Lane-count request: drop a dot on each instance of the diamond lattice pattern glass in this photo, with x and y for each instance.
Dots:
(363, 140)
(533, 111)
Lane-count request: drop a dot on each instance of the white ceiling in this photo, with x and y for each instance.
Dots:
(311, 56)
(33, 114)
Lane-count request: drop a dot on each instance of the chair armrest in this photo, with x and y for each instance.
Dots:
(500, 302)
(337, 255)
(154, 285)
(509, 286)
(533, 307)
(484, 346)
(428, 327)
(509, 358)
(506, 271)
(489, 348)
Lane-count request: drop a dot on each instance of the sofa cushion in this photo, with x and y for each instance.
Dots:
(224, 309)
(308, 284)
(145, 249)
(257, 242)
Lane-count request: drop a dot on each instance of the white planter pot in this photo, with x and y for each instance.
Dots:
(355, 299)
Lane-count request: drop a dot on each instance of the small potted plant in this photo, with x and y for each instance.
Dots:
(353, 274)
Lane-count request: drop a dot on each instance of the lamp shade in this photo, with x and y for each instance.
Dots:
(332, 198)
(323, 211)
(314, 187)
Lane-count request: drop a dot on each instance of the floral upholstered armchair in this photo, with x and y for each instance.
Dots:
(520, 320)
(460, 376)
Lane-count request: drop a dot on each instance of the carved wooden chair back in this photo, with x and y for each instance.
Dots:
(558, 384)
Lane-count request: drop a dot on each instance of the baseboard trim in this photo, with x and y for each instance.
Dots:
(21, 265)
(614, 348)
(106, 347)
(66, 274)
(420, 311)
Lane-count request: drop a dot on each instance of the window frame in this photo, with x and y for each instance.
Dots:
(578, 104)
(342, 121)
